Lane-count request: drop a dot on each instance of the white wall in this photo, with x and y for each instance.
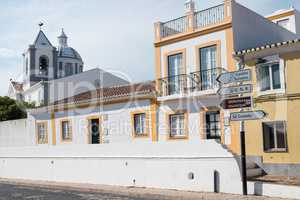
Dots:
(116, 124)
(190, 46)
(251, 30)
(35, 94)
(15, 133)
(193, 108)
(159, 165)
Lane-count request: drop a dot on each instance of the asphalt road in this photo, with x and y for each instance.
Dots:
(15, 192)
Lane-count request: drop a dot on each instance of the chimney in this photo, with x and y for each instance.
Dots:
(189, 6)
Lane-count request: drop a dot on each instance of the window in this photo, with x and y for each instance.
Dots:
(44, 65)
(42, 135)
(69, 69)
(175, 69)
(60, 69)
(177, 125)
(208, 57)
(140, 124)
(270, 77)
(213, 126)
(66, 130)
(208, 65)
(76, 68)
(284, 23)
(274, 136)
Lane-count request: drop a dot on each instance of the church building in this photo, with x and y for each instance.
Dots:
(48, 69)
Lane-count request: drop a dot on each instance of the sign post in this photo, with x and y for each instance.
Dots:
(242, 102)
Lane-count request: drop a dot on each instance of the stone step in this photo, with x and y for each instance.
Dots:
(254, 172)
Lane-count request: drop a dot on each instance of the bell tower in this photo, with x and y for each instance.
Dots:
(40, 60)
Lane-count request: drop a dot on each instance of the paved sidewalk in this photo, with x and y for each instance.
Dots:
(23, 189)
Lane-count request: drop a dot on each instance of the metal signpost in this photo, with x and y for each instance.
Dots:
(244, 116)
(241, 102)
(235, 77)
(242, 89)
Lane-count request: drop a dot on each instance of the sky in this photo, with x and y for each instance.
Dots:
(114, 35)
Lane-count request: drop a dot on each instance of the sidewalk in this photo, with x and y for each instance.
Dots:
(131, 191)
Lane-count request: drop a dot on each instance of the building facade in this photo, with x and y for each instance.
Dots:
(182, 106)
(276, 91)
(53, 73)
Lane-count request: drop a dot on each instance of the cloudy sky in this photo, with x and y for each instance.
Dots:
(113, 35)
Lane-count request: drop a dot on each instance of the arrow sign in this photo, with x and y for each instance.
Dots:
(243, 116)
(242, 89)
(240, 102)
(234, 77)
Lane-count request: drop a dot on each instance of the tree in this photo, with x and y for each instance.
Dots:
(11, 109)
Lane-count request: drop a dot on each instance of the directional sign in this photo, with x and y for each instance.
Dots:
(241, 102)
(234, 77)
(242, 89)
(243, 116)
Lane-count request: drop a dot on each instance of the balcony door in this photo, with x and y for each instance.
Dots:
(208, 65)
(175, 74)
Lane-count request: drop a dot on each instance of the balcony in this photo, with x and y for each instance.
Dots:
(204, 80)
(193, 21)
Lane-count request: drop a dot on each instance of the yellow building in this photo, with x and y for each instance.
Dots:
(276, 84)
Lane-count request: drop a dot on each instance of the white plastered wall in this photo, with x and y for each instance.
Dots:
(116, 124)
(190, 46)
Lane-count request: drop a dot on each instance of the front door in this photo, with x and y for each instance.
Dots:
(94, 126)
(213, 126)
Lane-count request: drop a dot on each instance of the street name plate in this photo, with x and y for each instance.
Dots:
(234, 77)
(242, 89)
(243, 116)
(241, 102)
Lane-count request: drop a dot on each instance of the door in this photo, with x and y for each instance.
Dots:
(175, 72)
(208, 64)
(94, 126)
(213, 126)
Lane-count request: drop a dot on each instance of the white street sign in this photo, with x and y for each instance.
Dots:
(243, 116)
(242, 89)
(234, 77)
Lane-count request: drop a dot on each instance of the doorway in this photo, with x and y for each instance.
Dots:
(94, 131)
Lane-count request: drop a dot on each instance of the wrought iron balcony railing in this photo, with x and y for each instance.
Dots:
(196, 81)
(205, 79)
(173, 85)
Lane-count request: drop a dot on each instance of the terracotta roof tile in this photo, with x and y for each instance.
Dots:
(17, 86)
(112, 92)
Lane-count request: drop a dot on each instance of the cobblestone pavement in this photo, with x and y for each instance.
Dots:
(16, 191)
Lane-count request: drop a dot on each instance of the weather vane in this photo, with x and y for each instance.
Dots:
(40, 25)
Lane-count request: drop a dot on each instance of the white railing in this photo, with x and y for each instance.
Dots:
(173, 27)
(200, 19)
(209, 16)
